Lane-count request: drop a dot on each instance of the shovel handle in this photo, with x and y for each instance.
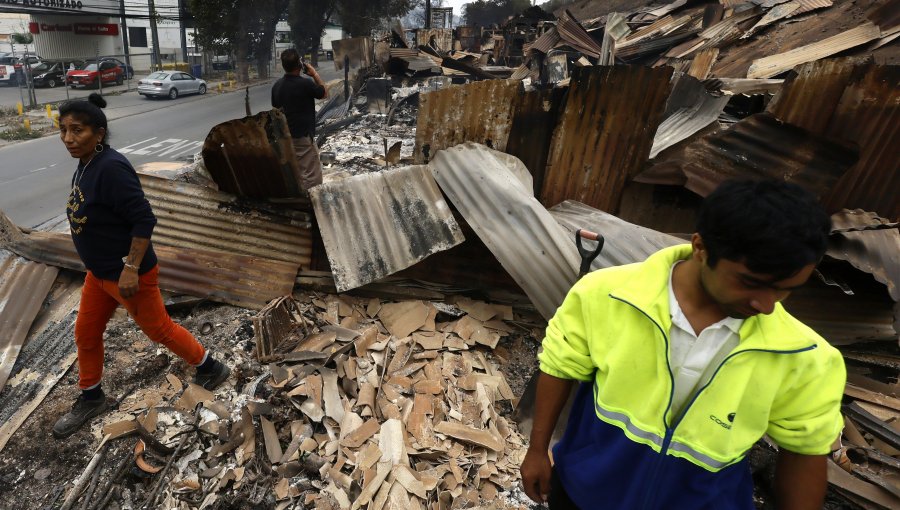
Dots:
(587, 256)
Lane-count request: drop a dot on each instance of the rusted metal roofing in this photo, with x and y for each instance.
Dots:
(785, 11)
(574, 35)
(535, 116)
(770, 66)
(689, 109)
(886, 16)
(376, 224)
(866, 315)
(702, 63)
(626, 243)
(870, 244)
(735, 60)
(761, 146)
(23, 287)
(191, 216)
(605, 133)
(858, 101)
(239, 280)
(549, 40)
(517, 229)
(477, 112)
(253, 157)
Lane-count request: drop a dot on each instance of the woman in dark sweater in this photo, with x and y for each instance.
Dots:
(111, 223)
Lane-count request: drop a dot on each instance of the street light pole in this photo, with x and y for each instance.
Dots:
(154, 34)
(181, 17)
(125, 37)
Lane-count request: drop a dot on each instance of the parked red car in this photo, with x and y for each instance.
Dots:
(89, 75)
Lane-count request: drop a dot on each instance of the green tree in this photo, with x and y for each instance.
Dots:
(361, 17)
(22, 38)
(241, 27)
(308, 20)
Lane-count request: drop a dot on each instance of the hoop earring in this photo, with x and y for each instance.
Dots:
(99, 148)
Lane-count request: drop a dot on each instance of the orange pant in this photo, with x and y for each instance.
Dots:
(99, 300)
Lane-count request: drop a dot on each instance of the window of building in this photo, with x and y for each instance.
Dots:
(283, 37)
(137, 37)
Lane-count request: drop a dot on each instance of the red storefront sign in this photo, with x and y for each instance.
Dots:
(96, 29)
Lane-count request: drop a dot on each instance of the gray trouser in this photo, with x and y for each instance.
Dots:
(308, 160)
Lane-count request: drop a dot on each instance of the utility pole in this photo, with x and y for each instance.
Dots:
(155, 36)
(427, 14)
(181, 17)
(125, 35)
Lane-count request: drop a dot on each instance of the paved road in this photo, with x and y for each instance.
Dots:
(35, 175)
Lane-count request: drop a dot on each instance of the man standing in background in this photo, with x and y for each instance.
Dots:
(295, 95)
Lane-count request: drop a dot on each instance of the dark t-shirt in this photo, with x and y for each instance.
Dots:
(296, 96)
(106, 209)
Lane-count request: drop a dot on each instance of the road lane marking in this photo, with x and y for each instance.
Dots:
(130, 148)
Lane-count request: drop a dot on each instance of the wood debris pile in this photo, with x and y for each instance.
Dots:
(381, 405)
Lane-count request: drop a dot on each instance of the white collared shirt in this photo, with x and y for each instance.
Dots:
(694, 358)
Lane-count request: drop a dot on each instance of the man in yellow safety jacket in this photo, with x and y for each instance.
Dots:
(687, 359)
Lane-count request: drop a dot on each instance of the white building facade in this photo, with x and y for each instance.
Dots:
(84, 29)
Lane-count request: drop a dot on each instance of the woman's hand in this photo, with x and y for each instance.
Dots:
(128, 282)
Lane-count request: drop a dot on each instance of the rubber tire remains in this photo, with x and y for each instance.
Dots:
(202, 90)
(173, 93)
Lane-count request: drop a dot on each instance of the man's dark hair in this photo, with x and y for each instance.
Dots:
(88, 112)
(290, 60)
(773, 227)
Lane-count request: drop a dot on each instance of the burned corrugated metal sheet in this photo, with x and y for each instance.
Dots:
(549, 40)
(626, 243)
(866, 315)
(517, 229)
(689, 109)
(42, 362)
(191, 216)
(761, 146)
(574, 35)
(360, 50)
(770, 66)
(253, 157)
(440, 39)
(872, 250)
(786, 10)
(535, 116)
(735, 86)
(477, 112)
(605, 133)
(854, 100)
(886, 16)
(225, 277)
(735, 60)
(702, 63)
(376, 224)
(23, 287)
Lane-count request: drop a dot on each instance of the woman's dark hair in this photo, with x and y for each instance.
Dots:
(88, 112)
(773, 227)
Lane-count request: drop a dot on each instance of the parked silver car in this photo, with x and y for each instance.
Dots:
(170, 83)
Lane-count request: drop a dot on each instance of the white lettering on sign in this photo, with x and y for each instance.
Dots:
(170, 147)
(59, 4)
